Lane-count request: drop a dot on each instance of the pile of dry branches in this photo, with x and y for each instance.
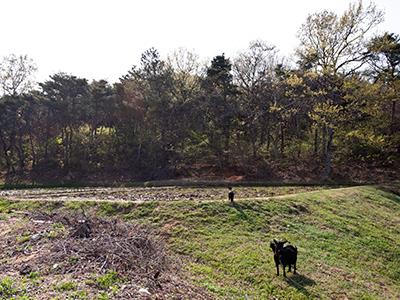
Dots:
(81, 245)
(95, 244)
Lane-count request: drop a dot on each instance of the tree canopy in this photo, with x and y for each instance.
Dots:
(332, 115)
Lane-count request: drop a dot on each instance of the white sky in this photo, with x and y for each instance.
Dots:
(102, 39)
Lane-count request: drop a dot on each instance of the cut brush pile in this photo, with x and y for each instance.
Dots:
(91, 255)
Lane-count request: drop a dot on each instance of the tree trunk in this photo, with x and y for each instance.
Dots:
(393, 118)
(316, 141)
(262, 135)
(324, 129)
(48, 134)
(282, 138)
(227, 143)
(264, 130)
(32, 148)
(328, 154)
(9, 165)
(67, 140)
(69, 151)
(253, 141)
(21, 153)
(139, 153)
(254, 148)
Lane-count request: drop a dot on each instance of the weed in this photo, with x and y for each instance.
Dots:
(7, 288)
(108, 280)
(33, 275)
(78, 295)
(66, 286)
(57, 230)
(102, 296)
(23, 238)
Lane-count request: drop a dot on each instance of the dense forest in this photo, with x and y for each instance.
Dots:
(331, 112)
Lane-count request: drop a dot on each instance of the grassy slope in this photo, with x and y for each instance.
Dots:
(348, 241)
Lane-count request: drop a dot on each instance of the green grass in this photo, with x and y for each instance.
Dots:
(7, 288)
(10, 290)
(108, 280)
(66, 286)
(348, 241)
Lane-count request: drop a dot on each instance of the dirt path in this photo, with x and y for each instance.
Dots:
(139, 195)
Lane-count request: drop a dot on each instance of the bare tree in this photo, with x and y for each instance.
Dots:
(255, 66)
(335, 44)
(334, 47)
(16, 74)
(254, 72)
(184, 61)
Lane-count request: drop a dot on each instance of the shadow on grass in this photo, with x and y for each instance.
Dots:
(300, 282)
(393, 192)
(240, 210)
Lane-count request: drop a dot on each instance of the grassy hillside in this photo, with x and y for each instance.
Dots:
(348, 241)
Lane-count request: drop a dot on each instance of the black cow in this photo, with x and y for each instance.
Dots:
(231, 194)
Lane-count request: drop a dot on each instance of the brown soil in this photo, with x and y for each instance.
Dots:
(147, 194)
